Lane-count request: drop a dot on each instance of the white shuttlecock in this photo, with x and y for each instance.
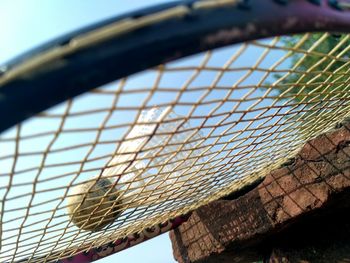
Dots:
(151, 164)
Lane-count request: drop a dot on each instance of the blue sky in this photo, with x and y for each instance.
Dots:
(28, 23)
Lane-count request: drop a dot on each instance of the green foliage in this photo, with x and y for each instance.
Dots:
(315, 70)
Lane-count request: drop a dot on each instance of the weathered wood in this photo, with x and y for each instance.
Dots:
(305, 200)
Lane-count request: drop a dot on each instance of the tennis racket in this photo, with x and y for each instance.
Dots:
(163, 110)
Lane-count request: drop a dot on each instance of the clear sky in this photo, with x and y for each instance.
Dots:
(28, 23)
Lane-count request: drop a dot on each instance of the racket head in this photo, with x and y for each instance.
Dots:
(176, 30)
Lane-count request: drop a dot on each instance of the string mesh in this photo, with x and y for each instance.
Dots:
(171, 139)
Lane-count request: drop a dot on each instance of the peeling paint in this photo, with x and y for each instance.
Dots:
(224, 36)
(291, 21)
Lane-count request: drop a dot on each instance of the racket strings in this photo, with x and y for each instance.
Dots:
(225, 118)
